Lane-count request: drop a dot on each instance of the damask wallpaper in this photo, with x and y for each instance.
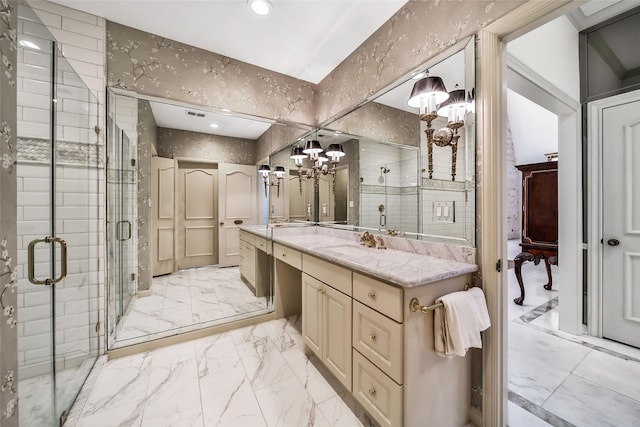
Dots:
(8, 234)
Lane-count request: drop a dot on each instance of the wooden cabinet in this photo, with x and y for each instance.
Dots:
(325, 314)
(363, 332)
(254, 262)
(248, 263)
(539, 220)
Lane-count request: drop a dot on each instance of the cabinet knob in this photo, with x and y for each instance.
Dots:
(372, 391)
(284, 255)
(372, 295)
(372, 335)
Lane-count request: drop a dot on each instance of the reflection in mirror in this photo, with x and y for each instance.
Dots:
(185, 248)
(436, 137)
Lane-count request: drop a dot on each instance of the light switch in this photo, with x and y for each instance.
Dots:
(351, 204)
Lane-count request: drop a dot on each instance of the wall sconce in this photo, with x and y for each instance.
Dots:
(454, 109)
(265, 170)
(427, 93)
(318, 157)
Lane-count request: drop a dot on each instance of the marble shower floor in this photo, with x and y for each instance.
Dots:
(254, 376)
(187, 298)
(560, 379)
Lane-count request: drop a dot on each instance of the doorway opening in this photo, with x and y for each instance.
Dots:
(556, 363)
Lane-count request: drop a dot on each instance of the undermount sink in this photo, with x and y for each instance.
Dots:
(352, 250)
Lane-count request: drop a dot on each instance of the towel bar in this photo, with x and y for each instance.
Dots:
(414, 304)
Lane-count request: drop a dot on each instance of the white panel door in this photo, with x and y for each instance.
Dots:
(197, 215)
(299, 199)
(237, 206)
(162, 215)
(621, 221)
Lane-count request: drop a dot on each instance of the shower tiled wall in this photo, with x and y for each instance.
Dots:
(397, 189)
(80, 190)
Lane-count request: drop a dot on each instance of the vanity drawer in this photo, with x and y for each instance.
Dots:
(379, 339)
(261, 243)
(385, 298)
(286, 254)
(379, 395)
(247, 237)
(331, 274)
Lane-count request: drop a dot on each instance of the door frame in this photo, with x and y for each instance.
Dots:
(596, 220)
(491, 170)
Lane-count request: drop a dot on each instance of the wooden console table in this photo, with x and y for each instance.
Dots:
(539, 220)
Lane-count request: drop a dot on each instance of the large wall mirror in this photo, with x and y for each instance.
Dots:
(182, 180)
(401, 170)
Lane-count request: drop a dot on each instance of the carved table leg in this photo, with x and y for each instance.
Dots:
(517, 261)
(552, 260)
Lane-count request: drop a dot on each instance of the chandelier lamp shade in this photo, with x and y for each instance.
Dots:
(455, 107)
(427, 93)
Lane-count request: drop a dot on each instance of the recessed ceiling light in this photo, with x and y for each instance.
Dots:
(260, 7)
(30, 45)
(226, 110)
(419, 76)
(213, 125)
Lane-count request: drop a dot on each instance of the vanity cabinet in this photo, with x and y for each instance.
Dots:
(326, 317)
(254, 262)
(362, 330)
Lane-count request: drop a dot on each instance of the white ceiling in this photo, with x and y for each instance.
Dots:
(176, 117)
(305, 39)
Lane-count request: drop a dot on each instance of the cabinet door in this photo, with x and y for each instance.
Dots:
(336, 350)
(312, 313)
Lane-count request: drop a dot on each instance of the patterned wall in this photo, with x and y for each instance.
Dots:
(416, 33)
(382, 123)
(153, 65)
(147, 143)
(8, 243)
(195, 145)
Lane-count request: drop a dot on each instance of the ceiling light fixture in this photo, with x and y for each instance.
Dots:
(213, 125)
(260, 7)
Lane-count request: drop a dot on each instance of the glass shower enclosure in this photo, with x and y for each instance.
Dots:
(59, 177)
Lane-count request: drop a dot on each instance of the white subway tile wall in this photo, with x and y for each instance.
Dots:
(80, 189)
(389, 177)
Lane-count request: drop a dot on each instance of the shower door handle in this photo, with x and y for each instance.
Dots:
(383, 220)
(119, 225)
(31, 260)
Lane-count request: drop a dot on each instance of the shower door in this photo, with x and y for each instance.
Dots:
(121, 216)
(58, 227)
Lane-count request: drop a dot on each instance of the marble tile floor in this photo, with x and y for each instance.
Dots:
(186, 298)
(253, 376)
(35, 394)
(560, 379)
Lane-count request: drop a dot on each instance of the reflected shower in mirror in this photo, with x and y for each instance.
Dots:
(419, 155)
(180, 191)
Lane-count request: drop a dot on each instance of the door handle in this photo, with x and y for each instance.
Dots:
(238, 222)
(383, 220)
(119, 225)
(613, 242)
(31, 260)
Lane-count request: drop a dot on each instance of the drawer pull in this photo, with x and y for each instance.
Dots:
(372, 391)
(372, 295)
(372, 335)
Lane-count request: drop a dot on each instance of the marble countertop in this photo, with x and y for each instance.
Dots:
(406, 269)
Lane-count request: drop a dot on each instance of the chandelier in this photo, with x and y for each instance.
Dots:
(320, 161)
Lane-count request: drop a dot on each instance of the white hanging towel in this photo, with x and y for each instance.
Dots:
(457, 325)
